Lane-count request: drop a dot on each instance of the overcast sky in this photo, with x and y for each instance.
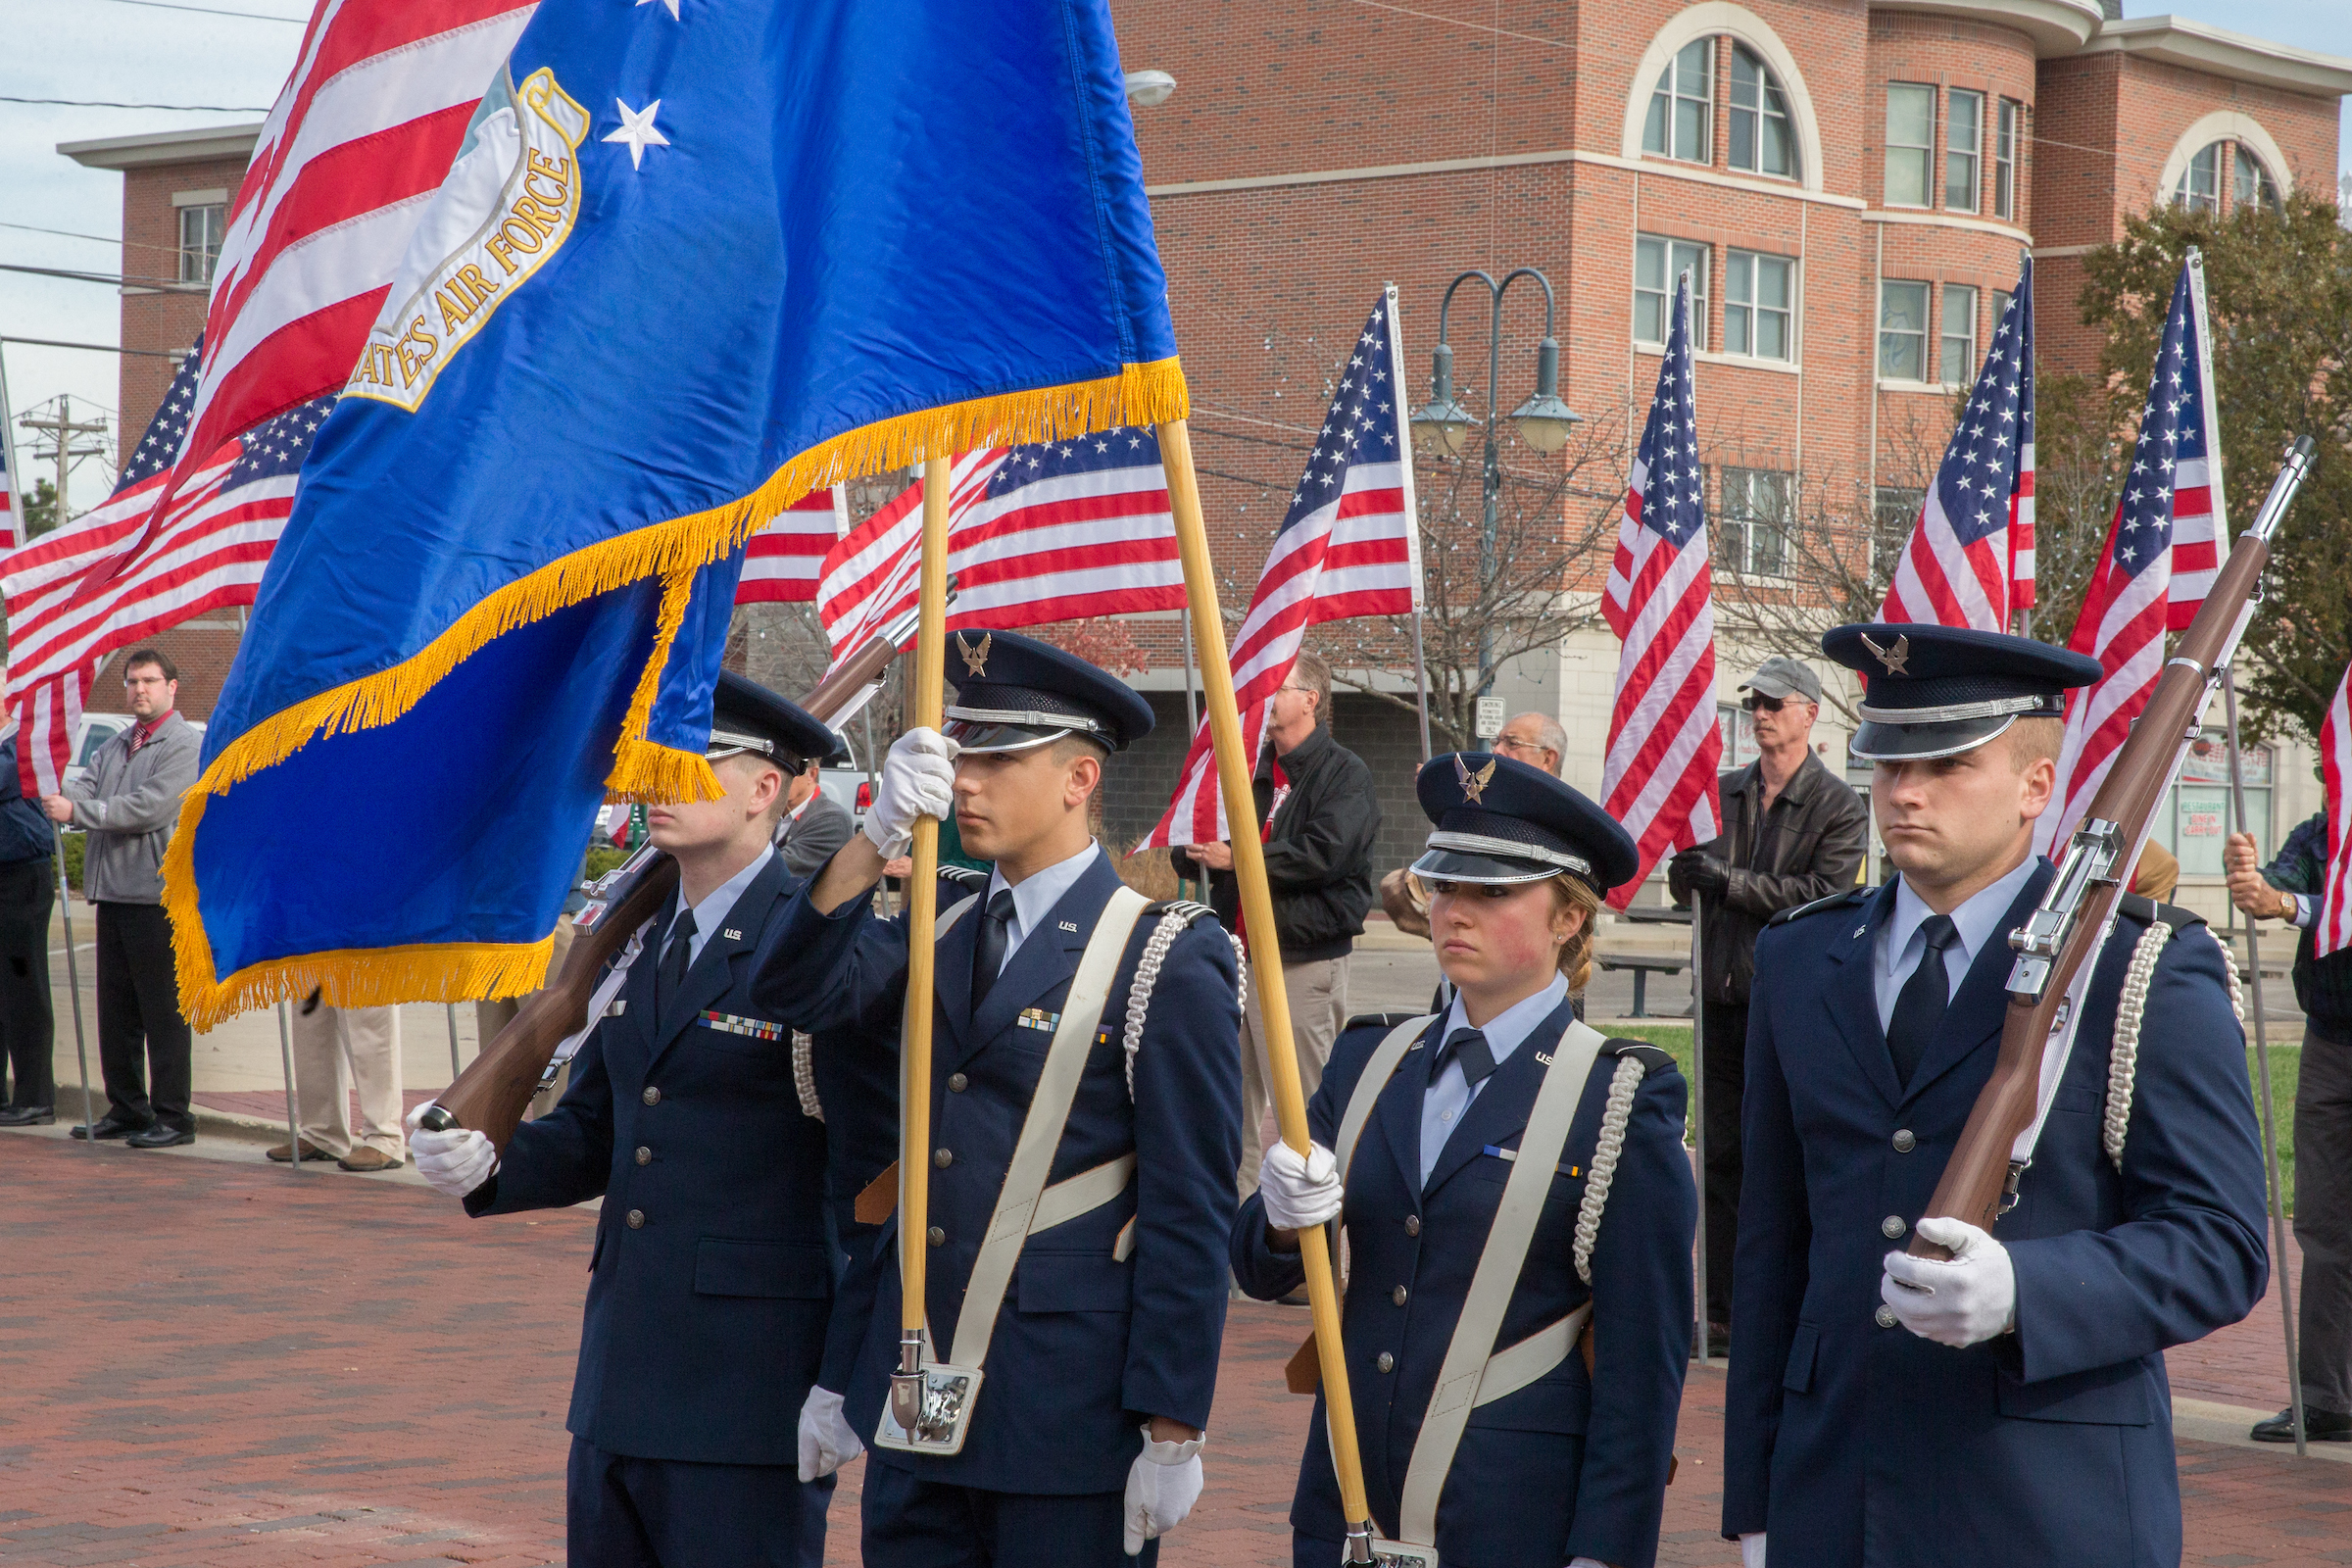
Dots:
(109, 49)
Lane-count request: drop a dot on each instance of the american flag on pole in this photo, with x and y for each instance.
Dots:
(12, 501)
(1970, 559)
(120, 572)
(1659, 778)
(2332, 931)
(785, 558)
(2163, 551)
(1057, 531)
(1347, 546)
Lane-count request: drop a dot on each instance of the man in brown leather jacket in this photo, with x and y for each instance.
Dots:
(1793, 832)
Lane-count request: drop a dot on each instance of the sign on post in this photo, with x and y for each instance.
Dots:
(1490, 718)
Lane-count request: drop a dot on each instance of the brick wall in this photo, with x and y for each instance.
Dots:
(166, 318)
(203, 649)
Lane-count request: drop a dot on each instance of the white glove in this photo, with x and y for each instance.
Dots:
(827, 1442)
(451, 1163)
(1751, 1549)
(918, 779)
(1962, 1302)
(1301, 1190)
(1162, 1488)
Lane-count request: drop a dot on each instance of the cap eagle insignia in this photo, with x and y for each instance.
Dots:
(1473, 784)
(975, 660)
(1893, 657)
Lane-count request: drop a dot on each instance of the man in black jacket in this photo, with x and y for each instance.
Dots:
(1793, 832)
(1319, 817)
(26, 896)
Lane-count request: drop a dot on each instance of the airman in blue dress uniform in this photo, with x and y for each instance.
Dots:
(2009, 1406)
(1102, 1327)
(710, 1288)
(1577, 1350)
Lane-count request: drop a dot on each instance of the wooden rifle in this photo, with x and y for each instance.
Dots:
(2057, 946)
(498, 1085)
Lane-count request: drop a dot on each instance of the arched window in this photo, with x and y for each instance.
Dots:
(2200, 187)
(2254, 186)
(1680, 123)
(1763, 137)
(2251, 182)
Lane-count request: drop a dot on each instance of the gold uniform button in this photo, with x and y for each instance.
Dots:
(958, 1082)
(1412, 1224)
(943, 1158)
(636, 1219)
(645, 1155)
(1886, 1316)
(1387, 1362)
(939, 1237)
(1905, 1140)
(1892, 1227)
(653, 1095)
(1399, 1295)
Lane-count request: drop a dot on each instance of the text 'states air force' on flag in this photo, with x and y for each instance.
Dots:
(687, 266)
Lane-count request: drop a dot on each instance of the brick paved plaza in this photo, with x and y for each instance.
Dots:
(205, 1360)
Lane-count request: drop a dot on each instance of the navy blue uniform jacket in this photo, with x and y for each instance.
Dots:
(1572, 1465)
(1848, 1443)
(1085, 1347)
(706, 1318)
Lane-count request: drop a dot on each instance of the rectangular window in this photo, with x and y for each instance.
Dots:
(1681, 120)
(1963, 150)
(1759, 306)
(1910, 144)
(2000, 307)
(1737, 727)
(1959, 335)
(1657, 263)
(1902, 331)
(1893, 510)
(200, 231)
(1753, 522)
(2004, 159)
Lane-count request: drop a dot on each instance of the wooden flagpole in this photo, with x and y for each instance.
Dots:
(1265, 958)
(922, 922)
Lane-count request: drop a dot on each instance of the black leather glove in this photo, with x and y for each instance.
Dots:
(1700, 873)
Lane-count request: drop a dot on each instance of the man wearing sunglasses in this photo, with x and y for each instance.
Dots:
(1793, 832)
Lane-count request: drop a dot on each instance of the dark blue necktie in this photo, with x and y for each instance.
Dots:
(988, 953)
(1470, 1049)
(1920, 1006)
(676, 959)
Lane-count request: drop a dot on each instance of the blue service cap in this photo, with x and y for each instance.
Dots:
(1938, 691)
(1014, 692)
(746, 716)
(1500, 820)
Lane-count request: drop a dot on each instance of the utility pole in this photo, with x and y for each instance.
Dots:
(61, 429)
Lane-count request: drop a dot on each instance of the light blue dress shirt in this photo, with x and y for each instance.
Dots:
(1034, 898)
(1900, 947)
(1450, 1094)
(720, 902)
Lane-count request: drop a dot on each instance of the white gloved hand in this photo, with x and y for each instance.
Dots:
(1301, 1190)
(918, 779)
(1162, 1488)
(1962, 1302)
(1751, 1549)
(451, 1163)
(827, 1441)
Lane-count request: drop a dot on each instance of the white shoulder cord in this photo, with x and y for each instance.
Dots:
(2123, 1060)
(1613, 1117)
(1173, 922)
(803, 1075)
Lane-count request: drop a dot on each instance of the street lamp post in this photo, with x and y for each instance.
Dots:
(1442, 425)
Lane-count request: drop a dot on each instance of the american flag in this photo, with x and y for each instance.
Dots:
(1347, 546)
(1659, 779)
(122, 571)
(785, 558)
(2333, 929)
(1969, 559)
(2162, 551)
(1057, 531)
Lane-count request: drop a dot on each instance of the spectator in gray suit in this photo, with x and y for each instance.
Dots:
(813, 827)
(128, 802)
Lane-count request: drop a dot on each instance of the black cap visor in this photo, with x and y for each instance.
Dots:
(970, 735)
(1877, 741)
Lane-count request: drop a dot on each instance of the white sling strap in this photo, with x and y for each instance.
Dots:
(1021, 1206)
(1472, 1374)
(1379, 1068)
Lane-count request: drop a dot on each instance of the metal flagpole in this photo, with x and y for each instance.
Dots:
(453, 1069)
(1265, 960)
(285, 1052)
(81, 1050)
(923, 941)
(2262, 1062)
(1412, 510)
(1698, 1098)
(1421, 682)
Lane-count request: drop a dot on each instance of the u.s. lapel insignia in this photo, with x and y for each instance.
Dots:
(975, 660)
(1473, 784)
(1067, 926)
(1038, 1018)
(728, 1023)
(1893, 657)
(731, 934)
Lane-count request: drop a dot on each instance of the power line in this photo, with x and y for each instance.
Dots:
(95, 348)
(208, 11)
(103, 103)
(72, 274)
(103, 239)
